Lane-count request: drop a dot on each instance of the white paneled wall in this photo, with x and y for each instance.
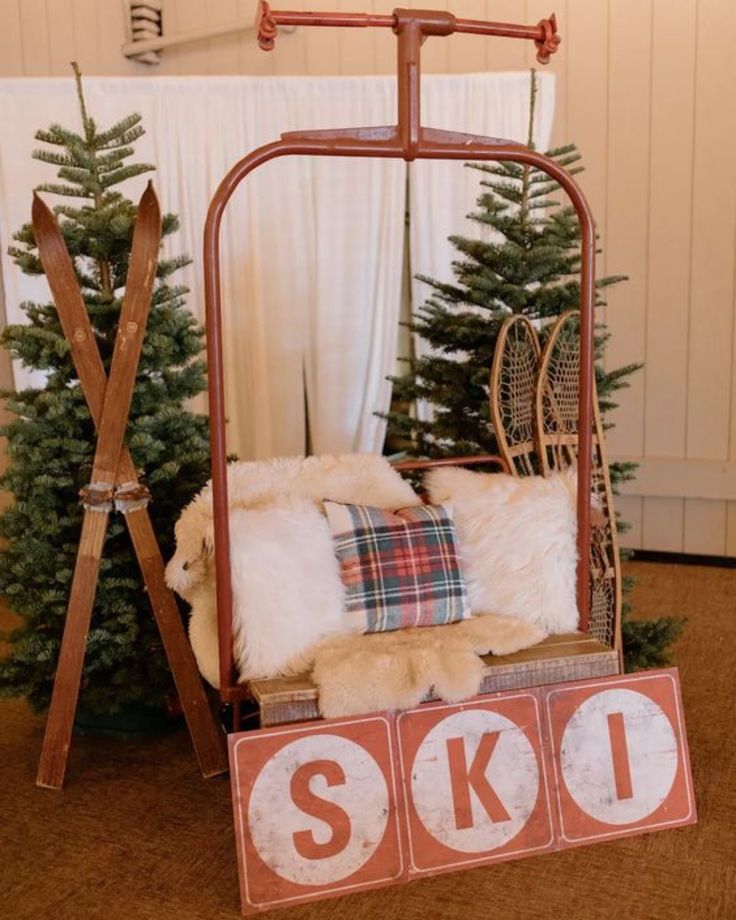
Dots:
(646, 89)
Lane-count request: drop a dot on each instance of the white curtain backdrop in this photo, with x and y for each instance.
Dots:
(443, 193)
(312, 248)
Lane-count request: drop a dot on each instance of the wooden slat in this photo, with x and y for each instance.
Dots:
(573, 656)
(193, 58)
(627, 210)
(111, 25)
(630, 509)
(672, 107)
(661, 477)
(705, 527)
(62, 49)
(587, 102)
(673, 72)
(708, 409)
(568, 646)
(663, 522)
(731, 529)
(225, 49)
(86, 38)
(35, 38)
(11, 40)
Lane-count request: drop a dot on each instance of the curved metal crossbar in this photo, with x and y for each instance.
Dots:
(406, 140)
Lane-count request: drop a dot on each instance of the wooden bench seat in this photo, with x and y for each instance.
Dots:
(573, 656)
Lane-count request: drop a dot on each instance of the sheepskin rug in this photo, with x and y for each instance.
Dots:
(397, 670)
(287, 591)
(517, 542)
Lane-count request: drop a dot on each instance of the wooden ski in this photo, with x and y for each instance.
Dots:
(114, 482)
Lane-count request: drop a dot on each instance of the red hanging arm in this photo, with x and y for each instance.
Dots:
(429, 22)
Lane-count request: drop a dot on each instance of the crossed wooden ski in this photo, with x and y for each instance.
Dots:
(114, 484)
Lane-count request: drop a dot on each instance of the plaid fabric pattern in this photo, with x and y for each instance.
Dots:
(399, 569)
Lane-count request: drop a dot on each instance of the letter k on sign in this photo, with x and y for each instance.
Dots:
(474, 782)
(463, 779)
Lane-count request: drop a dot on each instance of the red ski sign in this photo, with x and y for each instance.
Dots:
(326, 808)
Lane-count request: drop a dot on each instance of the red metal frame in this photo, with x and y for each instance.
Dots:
(406, 140)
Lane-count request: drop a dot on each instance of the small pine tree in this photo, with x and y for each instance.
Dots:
(528, 263)
(51, 441)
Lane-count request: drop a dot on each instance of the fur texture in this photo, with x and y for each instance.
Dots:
(287, 590)
(397, 670)
(286, 586)
(363, 479)
(517, 543)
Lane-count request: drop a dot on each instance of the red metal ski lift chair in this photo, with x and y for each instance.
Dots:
(560, 658)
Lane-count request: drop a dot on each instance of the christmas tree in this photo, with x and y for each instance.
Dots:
(527, 262)
(51, 441)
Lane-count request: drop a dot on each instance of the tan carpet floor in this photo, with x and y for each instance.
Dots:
(137, 835)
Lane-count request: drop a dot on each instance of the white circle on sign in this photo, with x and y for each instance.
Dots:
(646, 762)
(274, 818)
(511, 774)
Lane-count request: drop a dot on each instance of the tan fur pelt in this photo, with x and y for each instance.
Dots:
(397, 670)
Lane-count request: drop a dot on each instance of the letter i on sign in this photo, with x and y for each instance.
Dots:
(619, 757)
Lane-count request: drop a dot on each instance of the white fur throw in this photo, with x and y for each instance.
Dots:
(517, 543)
(287, 590)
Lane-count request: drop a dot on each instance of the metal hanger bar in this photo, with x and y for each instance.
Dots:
(429, 22)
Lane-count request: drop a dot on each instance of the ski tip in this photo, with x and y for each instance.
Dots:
(39, 208)
(149, 210)
(149, 198)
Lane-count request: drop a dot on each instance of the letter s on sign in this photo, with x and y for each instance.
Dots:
(324, 810)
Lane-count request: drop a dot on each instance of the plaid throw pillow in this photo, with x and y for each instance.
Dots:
(399, 569)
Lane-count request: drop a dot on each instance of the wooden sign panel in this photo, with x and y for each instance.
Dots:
(316, 810)
(619, 755)
(326, 808)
